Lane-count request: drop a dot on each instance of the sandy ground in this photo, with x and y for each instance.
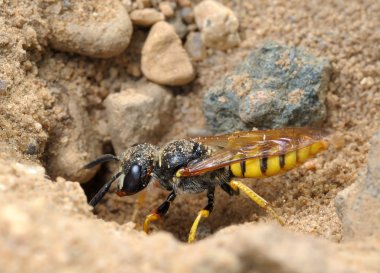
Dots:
(347, 33)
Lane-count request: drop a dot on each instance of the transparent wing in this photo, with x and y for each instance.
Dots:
(240, 146)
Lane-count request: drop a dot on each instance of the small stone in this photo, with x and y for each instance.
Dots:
(179, 26)
(138, 115)
(194, 46)
(184, 3)
(146, 17)
(102, 34)
(32, 148)
(166, 8)
(3, 86)
(275, 86)
(218, 25)
(187, 15)
(358, 206)
(367, 82)
(164, 60)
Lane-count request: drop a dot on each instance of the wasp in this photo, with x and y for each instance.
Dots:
(204, 163)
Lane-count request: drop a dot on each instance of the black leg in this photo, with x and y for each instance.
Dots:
(95, 200)
(228, 189)
(159, 212)
(100, 160)
(204, 213)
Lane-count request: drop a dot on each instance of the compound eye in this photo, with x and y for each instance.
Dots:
(132, 181)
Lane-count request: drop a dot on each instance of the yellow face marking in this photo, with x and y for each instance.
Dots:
(273, 165)
(252, 168)
(303, 154)
(290, 160)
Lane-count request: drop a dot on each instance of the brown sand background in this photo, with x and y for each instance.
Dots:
(345, 32)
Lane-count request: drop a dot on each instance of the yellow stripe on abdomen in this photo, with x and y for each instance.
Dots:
(253, 168)
(272, 165)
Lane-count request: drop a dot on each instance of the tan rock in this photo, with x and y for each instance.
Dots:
(101, 34)
(146, 17)
(72, 146)
(218, 25)
(164, 60)
(358, 206)
(166, 8)
(138, 115)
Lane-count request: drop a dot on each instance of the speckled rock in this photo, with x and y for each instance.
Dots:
(104, 32)
(195, 47)
(146, 17)
(138, 115)
(218, 25)
(275, 86)
(164, 60)
(358, 206)
(73, 142)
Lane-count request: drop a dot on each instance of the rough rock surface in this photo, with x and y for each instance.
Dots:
(138, 115)
(164, 60)
(72, 27)
(146, 17)
(275, 86)
(218, 25)
(46, 226)
(72, 143)
(358, 205)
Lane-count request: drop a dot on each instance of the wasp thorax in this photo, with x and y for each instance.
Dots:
(137, 165)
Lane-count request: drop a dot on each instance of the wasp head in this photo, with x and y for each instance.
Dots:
(136, 168)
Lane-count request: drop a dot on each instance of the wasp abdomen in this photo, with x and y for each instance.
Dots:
(272, 165)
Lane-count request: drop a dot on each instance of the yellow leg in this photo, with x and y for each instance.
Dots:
(153, 216)
(138, 203)
(159, 212)
(256, 198)
(193, 231)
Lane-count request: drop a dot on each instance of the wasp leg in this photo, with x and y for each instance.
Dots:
(256, 198)
(228, 189)
(205, 212)
(138, 203)
(95, 200)
(159, 212)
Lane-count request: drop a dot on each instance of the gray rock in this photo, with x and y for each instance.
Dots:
(358, 206)
(275, 86)
(195, 47)
(3, 86)
(138, 115)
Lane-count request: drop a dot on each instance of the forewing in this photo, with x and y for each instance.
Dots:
(240, 146)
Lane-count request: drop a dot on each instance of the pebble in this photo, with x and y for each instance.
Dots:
(138, 115)
(187, 15)
(218, 24)
(32, 148)
(3, 86)
(146, 17)
(194, 46)
(275, 86)
(102, 34)
(164, 60)
(358, 206)
(179, 26)
(166, 8)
